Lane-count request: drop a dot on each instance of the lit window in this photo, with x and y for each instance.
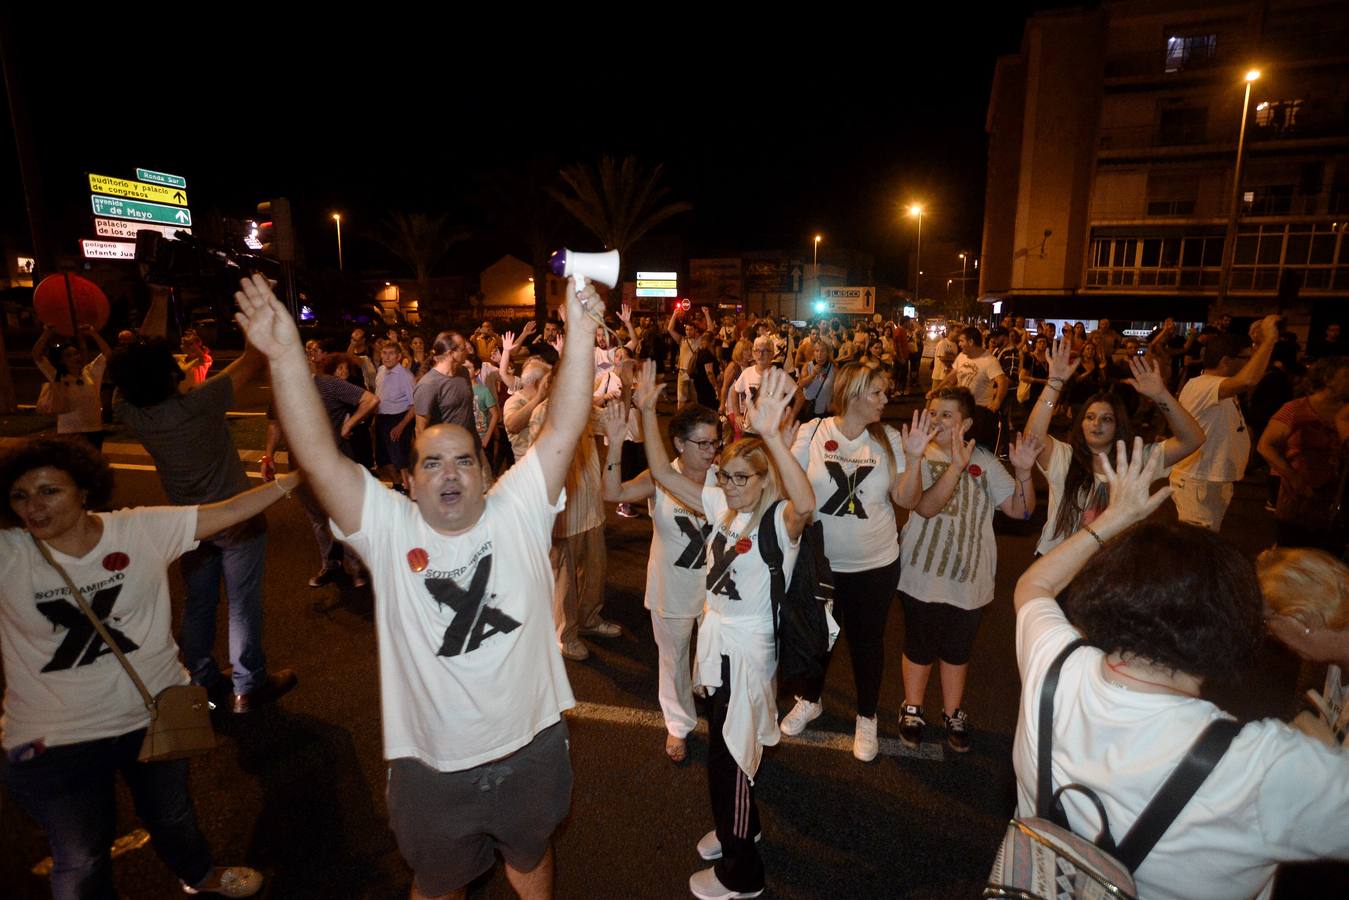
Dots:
(1186, 51)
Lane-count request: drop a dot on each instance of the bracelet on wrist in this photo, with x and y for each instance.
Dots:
(1088, 530)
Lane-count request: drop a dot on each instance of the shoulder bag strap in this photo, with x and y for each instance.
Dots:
(98, 626)
(1162, 810)
(771, 554)
(1044, 790)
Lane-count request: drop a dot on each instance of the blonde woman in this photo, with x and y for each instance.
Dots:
(1306, 596)
(859, 470)
(736, 655)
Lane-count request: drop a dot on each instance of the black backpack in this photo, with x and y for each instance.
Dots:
(799, 624)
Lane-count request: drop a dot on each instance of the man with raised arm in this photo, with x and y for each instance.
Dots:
(471, 681)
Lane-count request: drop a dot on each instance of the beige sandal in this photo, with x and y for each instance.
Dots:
(676, 748)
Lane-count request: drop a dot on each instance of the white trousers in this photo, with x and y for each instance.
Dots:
(1202, 503)
(675, 687)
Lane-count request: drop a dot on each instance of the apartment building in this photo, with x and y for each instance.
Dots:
(1114, 136)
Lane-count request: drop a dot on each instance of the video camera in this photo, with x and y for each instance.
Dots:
(185, 259)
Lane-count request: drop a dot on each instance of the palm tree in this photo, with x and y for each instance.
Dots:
(517, 204)
(419, 240)
(618, 201)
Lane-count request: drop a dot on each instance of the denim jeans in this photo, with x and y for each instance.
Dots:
(70, 791)
(240, 561)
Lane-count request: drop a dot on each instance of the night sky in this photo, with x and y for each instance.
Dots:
(773, 129)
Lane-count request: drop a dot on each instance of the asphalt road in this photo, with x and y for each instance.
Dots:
(298, 789)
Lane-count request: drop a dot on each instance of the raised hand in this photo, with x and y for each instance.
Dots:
(917, 436)
(961, 450)
(1062, 362)
(646, 390)
(1147, 378)
(507, 345)
(265, 322)
(526, 331)
(1024, 451)
(625, 314)
(1269, 328)
(766, 412)
(614, 420)
(1130, 481)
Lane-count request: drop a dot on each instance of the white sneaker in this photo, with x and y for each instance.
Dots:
(705, 886)
(864, 743)
(709, 846)
(802, 714)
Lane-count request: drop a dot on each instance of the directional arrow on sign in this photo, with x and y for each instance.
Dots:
(178, 196)
(117, 208)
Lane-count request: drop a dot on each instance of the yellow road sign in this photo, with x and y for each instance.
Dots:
(136, 190)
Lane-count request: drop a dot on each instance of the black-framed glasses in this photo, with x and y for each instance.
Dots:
(712, 444)
(739, 479)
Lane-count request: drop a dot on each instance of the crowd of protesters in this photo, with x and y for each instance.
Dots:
(466, 477)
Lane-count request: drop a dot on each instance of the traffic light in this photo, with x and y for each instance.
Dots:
(275, 229)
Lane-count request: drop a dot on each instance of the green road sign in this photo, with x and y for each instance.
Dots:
(137, 211)
(154, 177)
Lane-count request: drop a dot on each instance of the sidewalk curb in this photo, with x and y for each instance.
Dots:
(138, 452)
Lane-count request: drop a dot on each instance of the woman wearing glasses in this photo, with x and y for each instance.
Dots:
(674, 569)
(736, 658)
(858, 472)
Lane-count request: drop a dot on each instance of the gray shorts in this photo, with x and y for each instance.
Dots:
(449, 824)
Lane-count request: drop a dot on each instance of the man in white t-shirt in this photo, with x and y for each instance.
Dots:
(977, 371)
(943, 357)
(1202, 483)
(472, 685)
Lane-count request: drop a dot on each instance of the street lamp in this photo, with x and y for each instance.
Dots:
(916, 209)
(337, 217)
(1229, 245)
(963, 261)
(816, 266)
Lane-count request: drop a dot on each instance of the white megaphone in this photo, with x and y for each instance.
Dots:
(583, 267)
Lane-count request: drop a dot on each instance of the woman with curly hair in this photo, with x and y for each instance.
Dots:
(73, 718)
(1072, 468)
(1140, 616)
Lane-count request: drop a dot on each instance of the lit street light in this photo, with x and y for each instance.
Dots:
(916, 209)
(1229, 244)
(816, 267)
(337, 217)
(962, 283)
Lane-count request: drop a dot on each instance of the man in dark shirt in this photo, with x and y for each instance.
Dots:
(188, 438)
(444, 395)
(704, 373)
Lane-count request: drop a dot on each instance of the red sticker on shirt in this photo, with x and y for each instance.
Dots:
(975, 471)
(116, 562)
(418, 559)
(831, 445)
(743, 545)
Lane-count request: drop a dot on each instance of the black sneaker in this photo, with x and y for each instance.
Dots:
(957, 731)
(911, 724)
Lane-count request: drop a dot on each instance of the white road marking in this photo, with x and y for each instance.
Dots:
(830, 740)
